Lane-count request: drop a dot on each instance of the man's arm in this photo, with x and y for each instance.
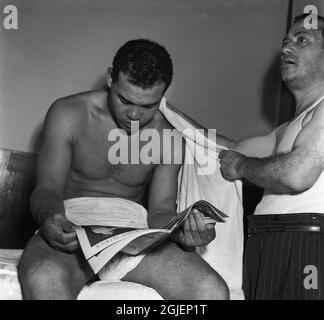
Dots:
(260, 146)
(162, 195)
(295, 171)
(53, 165)
(162, 208)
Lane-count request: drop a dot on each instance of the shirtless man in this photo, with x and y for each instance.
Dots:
(73, 163)
(285, 241)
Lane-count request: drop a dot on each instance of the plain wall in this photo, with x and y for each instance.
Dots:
(225, 54)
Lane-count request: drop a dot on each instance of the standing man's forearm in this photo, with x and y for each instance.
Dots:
(274, 174)
(284, 173)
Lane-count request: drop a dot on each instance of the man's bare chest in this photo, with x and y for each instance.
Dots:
(94, 157)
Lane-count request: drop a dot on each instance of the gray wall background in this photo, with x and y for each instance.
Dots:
(225, 54)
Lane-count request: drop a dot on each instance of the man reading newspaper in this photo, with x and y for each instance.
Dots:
(102, 236)
(73, 163)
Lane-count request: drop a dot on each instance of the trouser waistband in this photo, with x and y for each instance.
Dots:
(304, 222)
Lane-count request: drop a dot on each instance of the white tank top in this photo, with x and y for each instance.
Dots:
(311, 200)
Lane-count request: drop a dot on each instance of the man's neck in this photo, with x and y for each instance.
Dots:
(307, 96)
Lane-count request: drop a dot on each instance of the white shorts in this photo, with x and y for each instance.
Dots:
(109, 212)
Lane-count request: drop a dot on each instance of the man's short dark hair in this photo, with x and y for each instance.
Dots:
(145, 62)
(301, 17)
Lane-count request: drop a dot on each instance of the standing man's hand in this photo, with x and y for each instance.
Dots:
(231, 164)
(60, 233)
(195, 233)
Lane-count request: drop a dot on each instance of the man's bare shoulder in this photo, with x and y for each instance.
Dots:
(75, 108)
(68, 115)
(164, 124)
(80, 103)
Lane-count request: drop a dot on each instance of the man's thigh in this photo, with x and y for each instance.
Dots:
(170, 271)
(40, 257)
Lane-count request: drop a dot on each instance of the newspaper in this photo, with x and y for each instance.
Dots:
(101, 243)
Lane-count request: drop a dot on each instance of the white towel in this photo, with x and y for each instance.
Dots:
(195, 182)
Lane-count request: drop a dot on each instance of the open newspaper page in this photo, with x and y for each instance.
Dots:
(98, 260)
(146, 241)
(100, 243)
(94, 239)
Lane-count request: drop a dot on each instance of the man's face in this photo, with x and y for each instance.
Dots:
(128, 102)
(302, 57)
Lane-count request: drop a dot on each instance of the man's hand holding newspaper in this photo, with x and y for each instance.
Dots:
(102, 243)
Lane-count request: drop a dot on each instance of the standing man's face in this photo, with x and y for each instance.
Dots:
(302, 56)
(128, 102)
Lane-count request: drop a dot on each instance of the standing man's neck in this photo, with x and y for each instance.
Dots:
(307, 96)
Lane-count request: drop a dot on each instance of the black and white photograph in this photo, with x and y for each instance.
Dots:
(185, 136)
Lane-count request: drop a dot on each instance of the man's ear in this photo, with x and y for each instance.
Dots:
(109, 77)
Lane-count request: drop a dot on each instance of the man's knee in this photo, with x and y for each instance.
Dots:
(42, 270)
(39, 278)
(199, 278)
(203, 285)
(211, 287)
(178, 274)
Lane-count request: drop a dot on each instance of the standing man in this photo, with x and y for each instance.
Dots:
(73, 163)
(284, 255)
